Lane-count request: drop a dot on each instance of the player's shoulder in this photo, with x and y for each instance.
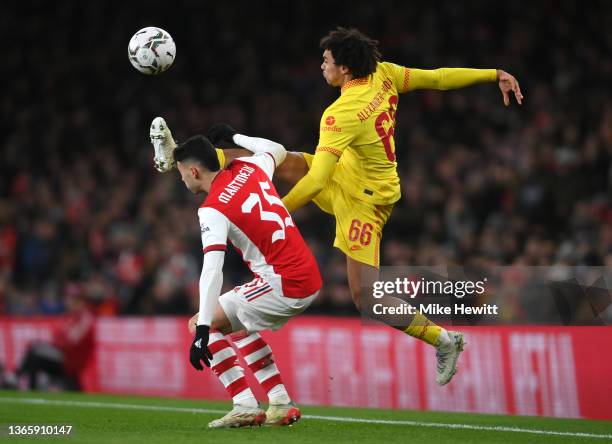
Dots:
(211, 210)
(385, 70)
(342, 110)
(215, 214)
(212, 218)
(386, 67)
(391, 76)
(339, 104)
(210, 204)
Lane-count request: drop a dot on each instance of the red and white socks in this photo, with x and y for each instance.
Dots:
(258, 356)
(225, 365)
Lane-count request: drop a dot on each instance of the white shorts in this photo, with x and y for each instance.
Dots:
(256, 306)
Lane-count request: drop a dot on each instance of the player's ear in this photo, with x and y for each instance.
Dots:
(344, 69)
(194, 172)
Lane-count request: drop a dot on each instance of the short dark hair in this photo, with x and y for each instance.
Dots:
(200, 149)
(355, 50)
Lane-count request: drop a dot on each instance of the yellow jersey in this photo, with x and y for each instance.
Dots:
(357, 131)
(358, 127)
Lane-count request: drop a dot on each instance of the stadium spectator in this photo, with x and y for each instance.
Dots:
(61, 362)
(500, 187)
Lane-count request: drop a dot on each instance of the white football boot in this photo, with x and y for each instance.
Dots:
(163, 144)
(240, 417)
(447, 356)
(282, 414)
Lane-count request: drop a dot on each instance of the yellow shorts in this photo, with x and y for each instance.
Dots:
(358, 224)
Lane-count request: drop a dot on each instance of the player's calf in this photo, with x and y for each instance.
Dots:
(258, 356)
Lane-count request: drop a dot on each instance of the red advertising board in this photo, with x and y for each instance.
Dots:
(550, 371)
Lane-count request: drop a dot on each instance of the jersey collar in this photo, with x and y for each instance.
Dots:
(354, 82)
(213, 186)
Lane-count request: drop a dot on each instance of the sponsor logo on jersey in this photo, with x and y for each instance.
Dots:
(355, 248)
(204, 228)
(330, 122)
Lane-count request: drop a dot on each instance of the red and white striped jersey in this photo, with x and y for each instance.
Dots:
(244, 207)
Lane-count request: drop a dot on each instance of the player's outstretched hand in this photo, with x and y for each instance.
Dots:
(219, 132)
(507, 83)
(199, 348)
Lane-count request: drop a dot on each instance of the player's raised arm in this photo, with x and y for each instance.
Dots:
(255, 145)
(454, 78)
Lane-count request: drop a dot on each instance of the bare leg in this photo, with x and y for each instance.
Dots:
(259, 358)
(292, 169)
(360, 276)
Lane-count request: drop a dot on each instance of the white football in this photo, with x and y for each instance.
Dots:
(151, 50)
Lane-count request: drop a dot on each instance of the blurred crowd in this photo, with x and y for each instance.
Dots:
(482, 185)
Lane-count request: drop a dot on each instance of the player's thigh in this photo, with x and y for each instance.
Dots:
(256, 306)
(230, 304)
(245, 306)
(359, 228)
(272, 310)
(294, 167)
(221, 321)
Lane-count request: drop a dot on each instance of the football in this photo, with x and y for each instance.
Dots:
(151, 50)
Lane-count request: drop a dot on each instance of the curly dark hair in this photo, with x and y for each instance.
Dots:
(199, 149)
(353, 49)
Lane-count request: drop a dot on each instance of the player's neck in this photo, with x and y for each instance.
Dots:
(345, 79)
(207, 180)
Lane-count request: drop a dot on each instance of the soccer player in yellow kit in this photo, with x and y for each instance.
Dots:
(353, 173)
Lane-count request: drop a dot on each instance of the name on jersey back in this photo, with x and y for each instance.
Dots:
(236, 184)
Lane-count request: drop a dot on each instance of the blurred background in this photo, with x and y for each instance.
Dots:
(82, 208)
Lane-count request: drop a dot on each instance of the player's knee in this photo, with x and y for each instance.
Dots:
(221, 325)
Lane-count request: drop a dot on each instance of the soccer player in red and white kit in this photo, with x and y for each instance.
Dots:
(242, 206)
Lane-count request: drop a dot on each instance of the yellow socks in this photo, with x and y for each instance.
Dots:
(423, 329)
